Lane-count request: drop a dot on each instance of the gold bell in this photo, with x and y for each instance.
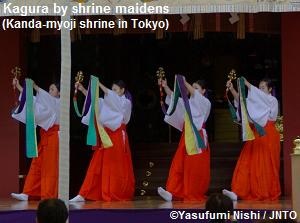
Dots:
(145, 183)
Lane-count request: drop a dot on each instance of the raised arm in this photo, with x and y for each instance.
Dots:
(103, 88)
(36, 87)
(234, 93)
(164, 84)
(45, 98)
(17, 85)
(189, 87)
(258, 96)
(81, 88)
(247, 84)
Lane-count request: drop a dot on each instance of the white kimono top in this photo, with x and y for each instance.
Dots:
(114, 110)
(261, 107)
(200, 109)
(46, 110)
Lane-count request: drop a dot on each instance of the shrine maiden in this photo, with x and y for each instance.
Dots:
(189, 175)
(110, 174)
(42, 178)
(256, 175)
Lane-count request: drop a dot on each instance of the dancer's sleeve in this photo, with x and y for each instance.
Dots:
(85, 119)
(201, 103)
(43, 97)
(114, 101)
(127, 108)
(263, 101)
(119, 104)
(259, 96)
(44, 117)
(274, 109)
(177, 118)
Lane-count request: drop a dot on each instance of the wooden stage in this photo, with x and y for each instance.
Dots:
(142, 209)
(146, 203)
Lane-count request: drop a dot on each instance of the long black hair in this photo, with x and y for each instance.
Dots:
(202, 84)
(269, 84)
(122, 85)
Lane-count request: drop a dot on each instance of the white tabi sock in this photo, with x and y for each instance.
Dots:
(230, 194)
(166, 195)
(20, 197)
(78, 198)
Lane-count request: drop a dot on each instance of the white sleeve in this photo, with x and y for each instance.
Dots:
(85, 119)
(127, 107)
(119, 104)
(177, 118)
(43, 97)
(261, 106)
(44, 117)
(114, 101)
(257, 95)
(168, 99)
(273, 109)
(264, 100)
(201, 103)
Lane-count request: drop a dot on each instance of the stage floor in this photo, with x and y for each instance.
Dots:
(146, 203)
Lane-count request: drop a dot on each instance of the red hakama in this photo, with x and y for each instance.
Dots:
(256, 175)
(42, 178)
(189, 175)
(110, 174)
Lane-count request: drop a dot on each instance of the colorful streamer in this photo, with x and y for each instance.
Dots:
(27, 102)
(193, 141)
(95, 129)
(247, 133)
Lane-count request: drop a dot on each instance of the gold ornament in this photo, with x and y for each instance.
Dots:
(79, 79)
(279, 126)
(297, 145)
(232, 75)
(151, 164)
(160, 73)
(16, 72)
(145, 183)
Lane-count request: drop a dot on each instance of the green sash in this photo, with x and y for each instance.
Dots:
(247, 133)
(95, 129)
(193, 141)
